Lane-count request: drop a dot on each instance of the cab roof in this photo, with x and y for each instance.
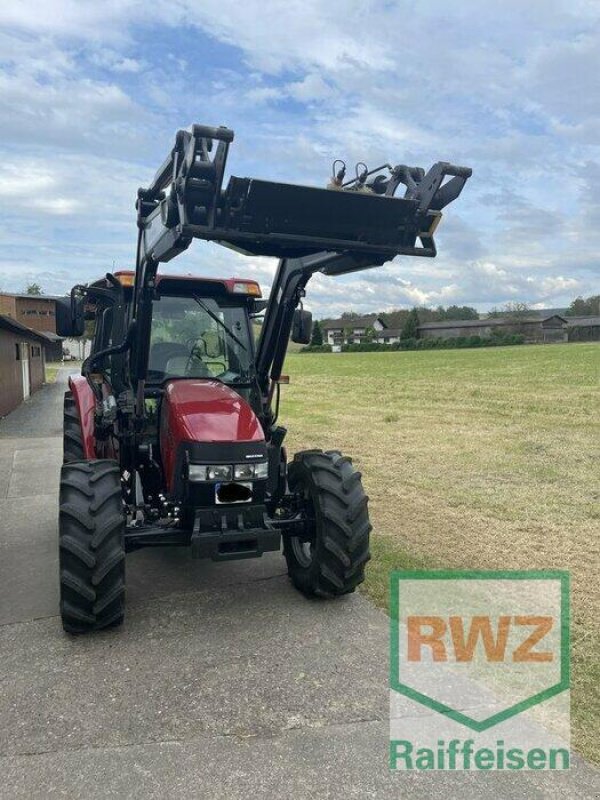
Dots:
(237, 286)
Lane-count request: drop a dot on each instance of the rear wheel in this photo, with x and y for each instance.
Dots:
(72, 438)
(92, 550)
(330, 559)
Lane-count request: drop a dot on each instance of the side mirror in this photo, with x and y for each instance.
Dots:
(301, 326)
(69, 316)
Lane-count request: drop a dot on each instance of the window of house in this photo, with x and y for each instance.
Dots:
(18, 351)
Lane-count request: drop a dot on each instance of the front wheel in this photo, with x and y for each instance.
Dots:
(329, 560)
(92, 550)
(72, 438)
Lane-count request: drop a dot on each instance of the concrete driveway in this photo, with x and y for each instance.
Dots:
(224, 682)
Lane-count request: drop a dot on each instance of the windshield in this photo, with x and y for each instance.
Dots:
(199, 337)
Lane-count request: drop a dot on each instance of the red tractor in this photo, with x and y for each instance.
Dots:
(171, 434)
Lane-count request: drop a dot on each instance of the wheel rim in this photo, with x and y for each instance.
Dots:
(303, 548)
(303, 551)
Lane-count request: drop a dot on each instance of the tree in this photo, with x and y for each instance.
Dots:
(317, 334)
(394, 319)
(517, 311)
(34, 288)
(455, 312)
(369, 334)
(584, 306)
(349, 315)
(410, 329)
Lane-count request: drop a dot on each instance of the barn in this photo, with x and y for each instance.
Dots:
(22, 363)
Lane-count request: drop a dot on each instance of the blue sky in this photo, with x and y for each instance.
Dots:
(91, 95)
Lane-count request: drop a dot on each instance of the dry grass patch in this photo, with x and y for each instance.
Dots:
(472, 459)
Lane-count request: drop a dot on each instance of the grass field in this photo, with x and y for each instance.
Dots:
(472, 459)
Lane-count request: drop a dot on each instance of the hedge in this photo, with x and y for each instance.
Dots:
(424, 344)
(316, 348)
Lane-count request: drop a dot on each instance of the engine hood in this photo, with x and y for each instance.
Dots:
(209, 411)
(203, 411)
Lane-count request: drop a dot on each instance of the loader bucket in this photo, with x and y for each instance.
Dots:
(265, 218)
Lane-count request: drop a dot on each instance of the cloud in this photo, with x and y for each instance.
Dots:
(91, 95)
(111, 60)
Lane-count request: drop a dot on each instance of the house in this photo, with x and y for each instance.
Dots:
(37, 312)
(351, 330)
(535, 329)
(22, 363)
(387, 336)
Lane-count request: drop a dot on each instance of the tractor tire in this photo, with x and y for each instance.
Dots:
(92, 549)
(332, 562)
(72, 436)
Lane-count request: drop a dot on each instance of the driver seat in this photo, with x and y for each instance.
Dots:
(163, 352)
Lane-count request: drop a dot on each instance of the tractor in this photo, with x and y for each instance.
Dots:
(171, 434)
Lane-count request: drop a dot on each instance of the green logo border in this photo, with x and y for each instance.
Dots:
(523, 705)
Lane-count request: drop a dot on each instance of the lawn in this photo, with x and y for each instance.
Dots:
(52, 370)
(480, 459)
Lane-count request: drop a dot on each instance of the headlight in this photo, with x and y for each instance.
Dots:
(227, 472)
(197, 472)
(243, 472)
(220, 472)
(261, 470)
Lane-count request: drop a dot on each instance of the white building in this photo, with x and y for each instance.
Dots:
(351, 330)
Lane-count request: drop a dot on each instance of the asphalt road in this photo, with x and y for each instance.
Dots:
(223, 682)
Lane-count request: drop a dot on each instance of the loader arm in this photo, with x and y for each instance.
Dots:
(353, 226)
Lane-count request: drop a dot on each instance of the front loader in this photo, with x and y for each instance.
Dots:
(170, 432)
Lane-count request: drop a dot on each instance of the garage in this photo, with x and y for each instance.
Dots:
(22, 363)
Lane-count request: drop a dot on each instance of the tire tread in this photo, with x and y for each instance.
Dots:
(92, 552)
(341, 550)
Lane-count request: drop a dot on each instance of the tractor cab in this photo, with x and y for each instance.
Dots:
(200, 328)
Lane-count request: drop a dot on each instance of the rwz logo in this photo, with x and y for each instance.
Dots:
(479, 647)
(457, 638)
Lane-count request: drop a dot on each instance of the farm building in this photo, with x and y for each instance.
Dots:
(535, 329)
(584, 329)
(37, 312)
(22, 363)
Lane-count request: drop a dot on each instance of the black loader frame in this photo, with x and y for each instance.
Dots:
(317, 502)
(309, 229)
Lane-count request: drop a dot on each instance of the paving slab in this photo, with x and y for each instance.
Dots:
(6, 462)
(345, 761)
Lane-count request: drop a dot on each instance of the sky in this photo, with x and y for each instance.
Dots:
(92, 93)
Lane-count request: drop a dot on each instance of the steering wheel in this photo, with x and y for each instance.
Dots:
(196, 344)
